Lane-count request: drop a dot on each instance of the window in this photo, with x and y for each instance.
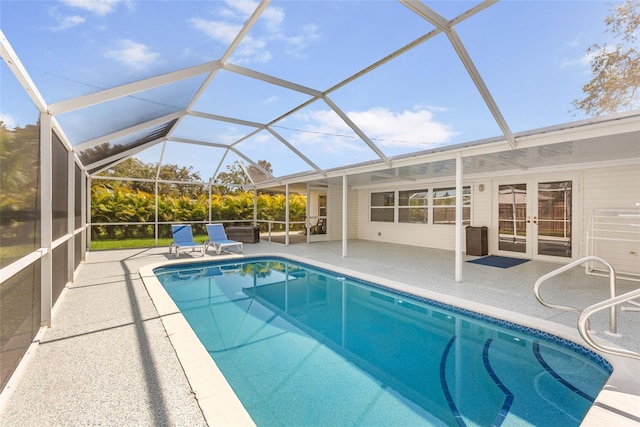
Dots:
(383, 206)
(444, 205)
(413, 206)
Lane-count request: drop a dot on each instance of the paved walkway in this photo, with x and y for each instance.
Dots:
(107, 361)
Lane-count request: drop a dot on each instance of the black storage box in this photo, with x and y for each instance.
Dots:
(244, 234)
(477, 241)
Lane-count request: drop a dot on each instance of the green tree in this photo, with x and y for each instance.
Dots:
(258, 174)
(615, 68)
(19, 179)
(134, 168)
(235, 176)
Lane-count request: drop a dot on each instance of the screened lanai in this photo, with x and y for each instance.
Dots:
(295, 84)
(351, 94)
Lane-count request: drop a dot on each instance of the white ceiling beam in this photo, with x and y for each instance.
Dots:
(198, 142)
(443, 25)
(245, 29)
(131, 88)
(481, 86)
(249, 135)
(127, 131)
(271, 79)
(248, 160)
(296, 151)
(429, 14)
(108, 162)
(226, 119)
(18, 70)
(220, 163)
(357, 130)
(63, 136)
(476, 9)
(239, 37)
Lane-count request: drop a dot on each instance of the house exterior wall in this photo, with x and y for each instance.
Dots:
(614, 188)
(436, 236)
(334, 221)
(605, 187)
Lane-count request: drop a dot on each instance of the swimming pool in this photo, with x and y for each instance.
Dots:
(301, 345)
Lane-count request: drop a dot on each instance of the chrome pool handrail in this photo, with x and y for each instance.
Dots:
(583, 322)
(613, 329)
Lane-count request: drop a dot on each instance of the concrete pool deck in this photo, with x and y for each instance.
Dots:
(107, 358)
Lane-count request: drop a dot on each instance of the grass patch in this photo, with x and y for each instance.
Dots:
(150, 242)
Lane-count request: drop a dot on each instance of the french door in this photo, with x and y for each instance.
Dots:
(533, 218)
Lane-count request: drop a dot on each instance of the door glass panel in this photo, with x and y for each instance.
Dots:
(554, 218)
(512, 215)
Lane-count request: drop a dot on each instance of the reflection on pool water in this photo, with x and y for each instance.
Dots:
(301, 345)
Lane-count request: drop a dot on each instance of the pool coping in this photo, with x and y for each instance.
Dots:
(618, 403)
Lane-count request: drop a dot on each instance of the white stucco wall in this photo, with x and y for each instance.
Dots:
(603, 187)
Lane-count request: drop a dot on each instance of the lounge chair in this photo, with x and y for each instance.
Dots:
(183, 239)
(319, 228)
(218, 239)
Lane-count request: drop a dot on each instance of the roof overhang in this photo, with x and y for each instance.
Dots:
(613, 139)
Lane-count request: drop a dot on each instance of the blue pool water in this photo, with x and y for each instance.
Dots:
(304, 346)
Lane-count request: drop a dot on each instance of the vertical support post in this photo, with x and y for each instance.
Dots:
(344, 215)
(307, 212)
(459, 197)
(46, 220)
(209, 203)
(71, 217)
(88, 212)
(286, 216)
(255, 207)
(156, 216)
(85, 198)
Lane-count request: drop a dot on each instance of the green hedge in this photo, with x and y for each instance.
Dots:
(118, 203)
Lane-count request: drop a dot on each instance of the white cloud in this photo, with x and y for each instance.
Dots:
(97, 7)
(270, 100)
(269, 28)
(296, 44)
(408, 128)
(135, 56)
(66, 22)
(221, 31)
(8, 120)
(585, 59)
(575, 62)
(413, 129)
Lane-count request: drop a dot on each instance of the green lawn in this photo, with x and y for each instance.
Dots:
(137, 243)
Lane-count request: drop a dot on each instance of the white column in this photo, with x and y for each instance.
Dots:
(88, 212)
(345, 215)
(46, 220)
(85, 198)
(156, 228)
(286, 216)
(459, 198)
(307, 212)
(209, 202)
(71, 214)
(255, 207)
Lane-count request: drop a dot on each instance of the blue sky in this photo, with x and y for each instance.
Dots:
(530, 54)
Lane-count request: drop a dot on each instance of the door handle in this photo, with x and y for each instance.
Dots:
(535, 219)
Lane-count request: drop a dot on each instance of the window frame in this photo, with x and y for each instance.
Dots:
(409, 207)
(390, 210)
(384, 208)
(466, 205)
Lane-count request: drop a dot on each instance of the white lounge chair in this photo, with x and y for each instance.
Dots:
(183, 239)
(218, 239)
